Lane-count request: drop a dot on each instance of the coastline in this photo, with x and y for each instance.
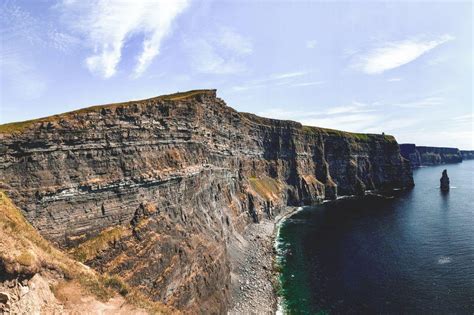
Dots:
(254, 280)
(255, 256)
(279, 309)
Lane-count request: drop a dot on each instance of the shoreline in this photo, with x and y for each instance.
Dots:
(254, 280)
(254, 256)
(276, 232)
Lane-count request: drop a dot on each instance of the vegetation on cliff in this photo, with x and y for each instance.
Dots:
(156, 191)
(24, 253)
(22, 125)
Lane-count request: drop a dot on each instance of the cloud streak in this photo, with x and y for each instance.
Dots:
(278, 79)
(391, 55)
(106, 25)
(221, 52)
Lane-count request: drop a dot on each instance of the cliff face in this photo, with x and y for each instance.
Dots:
(155, 190)
(467, 155)
(420, 155)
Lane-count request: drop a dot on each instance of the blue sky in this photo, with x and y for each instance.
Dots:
(367, 66)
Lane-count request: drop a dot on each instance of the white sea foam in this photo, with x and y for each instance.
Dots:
(280, 248)
(444, 260)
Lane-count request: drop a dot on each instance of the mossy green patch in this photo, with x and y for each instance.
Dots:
(23, 250)
(20, 126)
(268, 188)
(90, 248)
(364, 137)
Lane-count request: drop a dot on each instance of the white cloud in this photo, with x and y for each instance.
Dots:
(354, 117)
(469, 118)
(310, 44)
(222, 52)
(277, 79)
(354, 122)
(205, 58)
(107, 24)
(391, 55)
(350, 109)
(308, 83)
(235, 42)
(288, 75)
(20, 76)
(19, 27)
(394, 79)
(424, 102)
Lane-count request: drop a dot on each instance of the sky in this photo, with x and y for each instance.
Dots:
(399, 67)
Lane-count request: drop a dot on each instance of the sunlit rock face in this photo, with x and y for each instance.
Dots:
(183, 174)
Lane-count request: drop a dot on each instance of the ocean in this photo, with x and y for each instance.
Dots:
(411, 253)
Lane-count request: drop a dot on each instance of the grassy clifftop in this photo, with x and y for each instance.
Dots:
(24, 253)
(22, 125)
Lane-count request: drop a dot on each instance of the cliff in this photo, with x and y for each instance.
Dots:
(421, 155)
(467, 155)
(36, 277)
(156, 190)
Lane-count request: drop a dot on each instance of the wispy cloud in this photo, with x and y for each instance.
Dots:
(394, 79)
(21, 77)
(424, 102)
(22, 35)
(355, 108)
(277, 79)
(219, 53)
(106, 25)
(391, 55)
(235, 42)
(354, 117)
(287, 75)
(310, 44)
(464, 118)
(18, 26)
(313, 83)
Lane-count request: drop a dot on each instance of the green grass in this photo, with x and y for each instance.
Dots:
(24, 251)
(20, 126)
(364, 137)
(354, 135)
(90, 248)
(117, 284)
(268, 188)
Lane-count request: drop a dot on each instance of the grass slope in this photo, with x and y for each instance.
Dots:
(24, 252)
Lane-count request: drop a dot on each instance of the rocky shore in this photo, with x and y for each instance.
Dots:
(253, 278)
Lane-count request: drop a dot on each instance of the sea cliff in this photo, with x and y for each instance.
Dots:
(422, 155)
(467, 155)
(156, 191)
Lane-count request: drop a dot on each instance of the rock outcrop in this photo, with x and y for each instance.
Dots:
(421, 155)
(37, 278)
(467, 155)
(156, 190)
(444, 181)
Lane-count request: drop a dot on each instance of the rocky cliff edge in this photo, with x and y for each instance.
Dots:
(154, 191)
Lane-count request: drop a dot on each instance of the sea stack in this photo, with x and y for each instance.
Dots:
(444, 181)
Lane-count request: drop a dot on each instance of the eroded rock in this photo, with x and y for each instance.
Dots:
(185, 175)
(444, 181)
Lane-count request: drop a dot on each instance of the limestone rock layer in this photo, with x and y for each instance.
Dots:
(421, 156)
(175, 179)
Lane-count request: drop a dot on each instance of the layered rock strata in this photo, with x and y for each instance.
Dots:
(156, 190)
(421, 155)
